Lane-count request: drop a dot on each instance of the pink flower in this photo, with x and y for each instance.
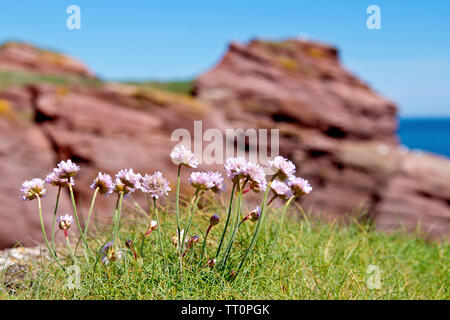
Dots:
(155, 185)
(65, 222)
(67, 169)
(299, 186)
(282, 167)
(104, 183)
(31, 189)
(181, 155)
(127, 181)
(280, 189)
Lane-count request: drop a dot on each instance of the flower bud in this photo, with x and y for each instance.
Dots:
(129, 243)
(212, 262)
(153, 225)
(195, 239)
(255, 214)
(214, 220)
(64, 222)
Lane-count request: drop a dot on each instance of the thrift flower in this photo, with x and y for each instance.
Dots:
(207, 180)
(31, 189)
(299, 186)
(181, 155)
(129, 178)
(104, 183)
(54, 178)
(155, 185)
(280, 189)
(236, 168)
(282, 167)
(256, 177)
(65, 222)
(67, 169)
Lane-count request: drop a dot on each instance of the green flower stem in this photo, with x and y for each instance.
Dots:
(44, 234)
(204, 244)
(177, 206)
(86, 247)
(193, 210)
(90, 210)
(256, 232)
(235, 228)
(54, 219)
(188, 214)
(177, 211)
(286, 206)
(228, 220)
(161, 243)
(117, 214)
(70, 248)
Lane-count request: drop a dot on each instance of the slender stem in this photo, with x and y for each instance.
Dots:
(177, 206)
(45, 235)
(189, 213)
(256, 232)
(54, 219)
(193, 210)
(204, 243)
(90, 210)
(286, 206)
(158, 227)
(117, 220)
(177, 211)
(70, 247)
(227, 222)
(72, 197)
(235, 228)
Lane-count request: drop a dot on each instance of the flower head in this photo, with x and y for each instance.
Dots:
(299, 186)
(31, 189)
(129, 178)
(65, 221)
(236, 168)
(240, 169)
(207, 180)
(155, 185)
(181, 155)
(280, 189)
(282, 167)
(67, 169)
(54, 178)
(256, 177)
(104, 183)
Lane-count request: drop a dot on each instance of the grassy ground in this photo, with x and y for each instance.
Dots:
(19, 78)
(182, 87)
(313, 260)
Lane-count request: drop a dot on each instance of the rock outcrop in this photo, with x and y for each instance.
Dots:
(340, 134)
(16, 56)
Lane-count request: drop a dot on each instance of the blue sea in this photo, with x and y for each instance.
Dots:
(426, 134)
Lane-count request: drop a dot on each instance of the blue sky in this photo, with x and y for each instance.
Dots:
(408, 60)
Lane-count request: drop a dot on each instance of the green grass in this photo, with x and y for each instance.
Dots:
(182, 87)
(21, 78)
(313, 260)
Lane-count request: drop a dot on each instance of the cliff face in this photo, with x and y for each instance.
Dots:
(340, 134)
